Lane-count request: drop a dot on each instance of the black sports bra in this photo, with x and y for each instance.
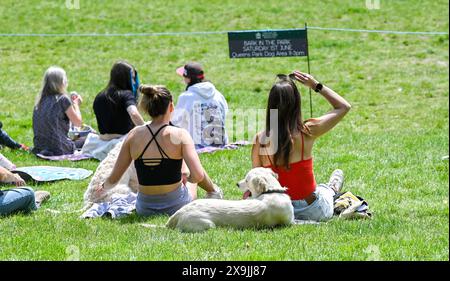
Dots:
(157, 171)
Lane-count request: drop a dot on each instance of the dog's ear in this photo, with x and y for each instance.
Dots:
(274, 185)
(259, 185)
(272, 182)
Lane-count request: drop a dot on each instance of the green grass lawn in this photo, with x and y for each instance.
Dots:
(390, 145)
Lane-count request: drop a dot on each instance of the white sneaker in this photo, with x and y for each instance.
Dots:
(336, 180)
(216, 194)
(40, 197)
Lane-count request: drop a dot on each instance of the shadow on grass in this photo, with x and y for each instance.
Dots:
(133, 218)
(160, 221)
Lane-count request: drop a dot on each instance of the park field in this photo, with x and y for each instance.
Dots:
(390, 146)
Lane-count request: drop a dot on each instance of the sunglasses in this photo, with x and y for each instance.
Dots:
(290, 76)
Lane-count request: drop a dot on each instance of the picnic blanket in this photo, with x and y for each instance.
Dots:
(50, 173)
(97, 147)
(121, 205)
(211, 149)
(77, 156)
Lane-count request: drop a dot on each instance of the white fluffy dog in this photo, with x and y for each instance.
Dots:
(269, 206)
(128, 183)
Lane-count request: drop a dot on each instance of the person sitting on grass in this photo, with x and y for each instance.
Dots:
(52, 115)
(7, 141)
(201, 109)
(20, 199)
(288, 152)
(115, 106)
(159, 152)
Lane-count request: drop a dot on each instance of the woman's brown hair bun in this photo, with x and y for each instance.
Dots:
(148, 90)
(155, 99)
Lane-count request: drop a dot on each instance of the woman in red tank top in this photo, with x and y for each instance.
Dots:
(286, 145)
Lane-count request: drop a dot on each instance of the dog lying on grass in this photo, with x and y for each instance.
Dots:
(128, 183)
(269, 206)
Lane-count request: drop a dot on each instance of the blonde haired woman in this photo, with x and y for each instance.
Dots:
(52, 115)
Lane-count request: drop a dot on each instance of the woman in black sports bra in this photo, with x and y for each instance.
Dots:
(167, 165)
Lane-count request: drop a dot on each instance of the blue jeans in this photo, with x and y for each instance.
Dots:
(321, 209)
(17, 200)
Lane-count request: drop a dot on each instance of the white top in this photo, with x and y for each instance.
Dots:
(202, 110)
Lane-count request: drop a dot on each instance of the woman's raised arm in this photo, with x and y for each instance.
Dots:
(323, 124)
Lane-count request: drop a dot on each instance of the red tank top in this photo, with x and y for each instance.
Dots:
(299, 180)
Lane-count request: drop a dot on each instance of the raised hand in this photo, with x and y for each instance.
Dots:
(306, 79)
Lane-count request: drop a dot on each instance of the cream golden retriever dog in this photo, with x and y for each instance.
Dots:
(269, 206)
(128, 183)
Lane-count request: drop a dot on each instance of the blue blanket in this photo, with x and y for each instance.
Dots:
(50, 173)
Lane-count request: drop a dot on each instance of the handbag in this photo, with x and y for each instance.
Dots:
(350, 206)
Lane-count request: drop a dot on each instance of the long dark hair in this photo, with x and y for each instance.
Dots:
(120, 80)
(285, 97)
(194, 80)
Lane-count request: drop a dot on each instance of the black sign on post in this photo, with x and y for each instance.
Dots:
(270, 43)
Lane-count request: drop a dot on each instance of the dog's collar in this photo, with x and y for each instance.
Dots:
(273, 191)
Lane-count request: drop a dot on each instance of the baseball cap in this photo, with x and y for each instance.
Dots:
(191, 70)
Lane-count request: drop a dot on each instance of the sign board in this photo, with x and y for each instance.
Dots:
(268, 43)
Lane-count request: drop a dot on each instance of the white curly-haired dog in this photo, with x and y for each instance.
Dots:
(269, 206)
(128, 183)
